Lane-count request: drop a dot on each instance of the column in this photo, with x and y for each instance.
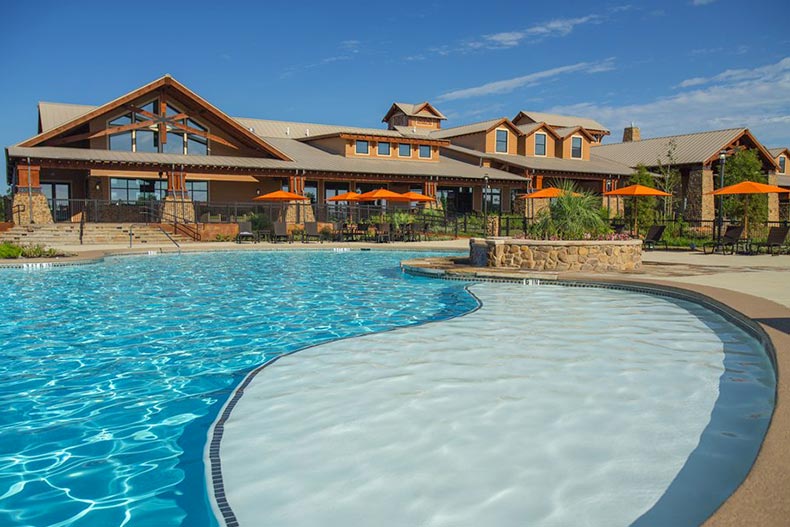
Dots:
(29, 204)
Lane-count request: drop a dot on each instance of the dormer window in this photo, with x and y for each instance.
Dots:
(404, 150)
(384, 149)
(501, 141)
(425, 151)
(576, 147)
(540, 144)
(362, 147)
(782, 163)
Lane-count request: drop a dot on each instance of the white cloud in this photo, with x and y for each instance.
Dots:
(559, 27)
(701, 2)
(757, 98)
(532, 79)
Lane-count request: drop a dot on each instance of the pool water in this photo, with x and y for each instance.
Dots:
(111, 374)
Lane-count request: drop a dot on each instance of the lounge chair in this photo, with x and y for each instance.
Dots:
(653, 237)
(730, 239)
(311, 231)
(281, 232)
(245, 232)
(777, 236)
(383, 232)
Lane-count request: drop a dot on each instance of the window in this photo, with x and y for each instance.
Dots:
(576, 147)
(425, 151)
(146, 139)
(540, 144)
(501, 141)
(362, 147)
(494, 198)
(133, 190)
(782, 161)
(384, 149)
(404, 150)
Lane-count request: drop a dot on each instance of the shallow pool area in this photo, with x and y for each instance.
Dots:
(409, 402)
(547, 405)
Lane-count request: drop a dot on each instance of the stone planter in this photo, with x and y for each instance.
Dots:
(556, 255)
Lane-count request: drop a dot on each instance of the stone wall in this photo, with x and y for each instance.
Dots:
(556, 256)
(42, 215)
(700, 204)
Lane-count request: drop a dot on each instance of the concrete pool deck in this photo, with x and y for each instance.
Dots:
(756, 286)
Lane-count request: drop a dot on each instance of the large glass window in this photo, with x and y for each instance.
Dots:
(494, 197)
(501, 141)
(146, 139)
(126, 190)
(540, 144)
(425, 151)
(576, 147)
(404, 150)
(362, 147)
(384, 149)
(782, 162)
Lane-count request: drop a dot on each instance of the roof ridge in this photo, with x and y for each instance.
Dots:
(471, 124)
(676, 135)
(68, 104)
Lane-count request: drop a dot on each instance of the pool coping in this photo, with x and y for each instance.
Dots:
(761, 498)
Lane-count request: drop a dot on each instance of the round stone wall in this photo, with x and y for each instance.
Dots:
(557, 256)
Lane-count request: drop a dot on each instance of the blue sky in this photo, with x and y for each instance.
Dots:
(669, 66)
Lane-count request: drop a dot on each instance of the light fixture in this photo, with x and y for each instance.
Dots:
(257, 192)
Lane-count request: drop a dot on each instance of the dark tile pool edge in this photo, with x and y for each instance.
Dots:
(211, 457)
(761, 498)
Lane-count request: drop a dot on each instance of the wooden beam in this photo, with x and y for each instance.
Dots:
(100, 133)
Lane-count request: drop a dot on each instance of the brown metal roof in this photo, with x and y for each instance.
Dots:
(596, 165)
(472, 128)
(53, 114)
(562, 121)
(694, 148)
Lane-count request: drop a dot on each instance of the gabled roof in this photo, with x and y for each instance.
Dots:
(530, 128)
(561, 121)
(776, 152)
(52, 114)
(423, 109)
(698, 148)
(596, 165)
(571, 130)
(168, 82)
(474, 128)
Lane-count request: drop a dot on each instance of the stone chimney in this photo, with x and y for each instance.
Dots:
(631, 134)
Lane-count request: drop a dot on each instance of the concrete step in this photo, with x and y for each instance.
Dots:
(93, 234)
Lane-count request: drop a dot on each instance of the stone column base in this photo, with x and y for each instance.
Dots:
(42, 215)
(296, 212)
(175, 208)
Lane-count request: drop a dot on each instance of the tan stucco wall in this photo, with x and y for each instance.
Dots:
(512, 141)
(528, 143)
(568, 142)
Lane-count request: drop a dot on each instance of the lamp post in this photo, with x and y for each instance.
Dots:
(720, 218)
(485, 204)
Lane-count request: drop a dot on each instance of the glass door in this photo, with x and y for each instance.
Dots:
(58, 195)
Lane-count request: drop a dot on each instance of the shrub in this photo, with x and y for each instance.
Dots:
(572, 216)
(9, 250)
(223, 238)
(39, 251)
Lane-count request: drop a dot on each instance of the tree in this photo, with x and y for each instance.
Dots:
(645, 205)
(670, 178)
(745, 165)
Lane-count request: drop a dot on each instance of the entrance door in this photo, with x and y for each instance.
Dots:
(58, 195)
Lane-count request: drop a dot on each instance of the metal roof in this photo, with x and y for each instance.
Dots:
(776, 152)
(595, 165)
(53, 114)
(418, 110)
(305, 157)
(472, 128)
(693, 148)
(563, 121)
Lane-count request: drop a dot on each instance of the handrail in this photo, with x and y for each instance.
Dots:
(18, 209)
(178, 228)
(170, 238)
(82, 225)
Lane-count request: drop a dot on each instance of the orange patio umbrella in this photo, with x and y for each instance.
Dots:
(546, 193)
(636, 191)
(416, 196)
(281, 195)
(382, 193)
(348, 196)
(748, 188)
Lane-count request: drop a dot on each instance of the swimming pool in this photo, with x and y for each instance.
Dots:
(113, 373)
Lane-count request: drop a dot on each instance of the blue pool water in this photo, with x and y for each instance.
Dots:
(111, 374)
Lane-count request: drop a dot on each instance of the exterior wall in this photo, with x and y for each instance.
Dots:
(512, 141)
(566, 148)
(334, 145)
(77, 180)
(475, 141)
(230, 191)
(773, 199)
(528, 143)
(425, 122)
(35, 202)
(350, 150)
(699, 203)
(558, 256)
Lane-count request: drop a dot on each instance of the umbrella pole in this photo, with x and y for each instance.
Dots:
(636, 217)
(746, 216)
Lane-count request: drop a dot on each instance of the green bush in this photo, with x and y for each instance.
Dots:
(223, 238)
(572, 216)
(9, 250)
(39, 251)
(260, 222)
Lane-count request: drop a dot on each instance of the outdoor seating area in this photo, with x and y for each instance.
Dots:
(381, 232)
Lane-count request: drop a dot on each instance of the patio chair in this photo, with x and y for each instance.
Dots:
(383, 232)
(311, 231)
(777, 236)
(731, 239)
(245, 232)
(281, 232)
(653, 237)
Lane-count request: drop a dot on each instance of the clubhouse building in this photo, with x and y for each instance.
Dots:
(164, 141)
